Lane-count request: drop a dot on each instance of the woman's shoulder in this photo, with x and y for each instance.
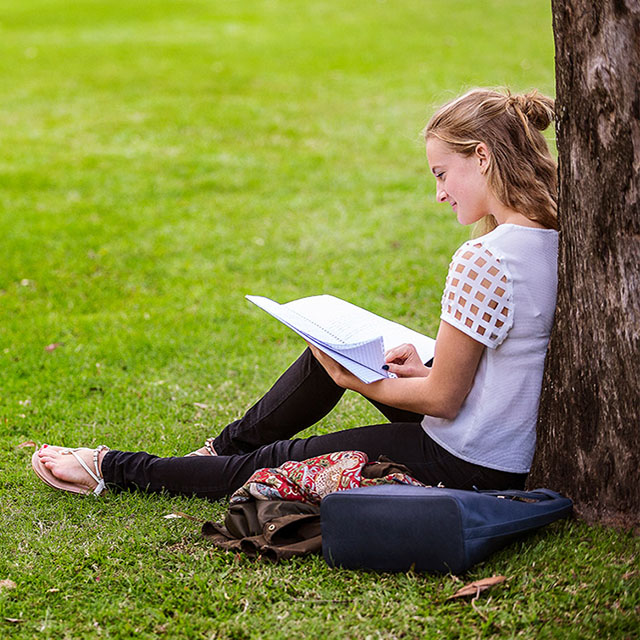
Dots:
(508, 234)
(478, 294)
(510, 241)
(480, 249)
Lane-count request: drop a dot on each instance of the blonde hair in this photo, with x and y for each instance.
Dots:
(521, 172)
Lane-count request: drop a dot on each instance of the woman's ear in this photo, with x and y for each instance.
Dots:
(483, 155)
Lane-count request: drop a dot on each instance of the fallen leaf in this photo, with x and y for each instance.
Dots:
(28, 443)
(53, 346)
(180, 514)
(7, 584)
(15, 620)
(53, 590)
(475, 588)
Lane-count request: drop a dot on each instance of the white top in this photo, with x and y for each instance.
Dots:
(501, 291)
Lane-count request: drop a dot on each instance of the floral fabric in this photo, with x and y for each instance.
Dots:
(310, 480)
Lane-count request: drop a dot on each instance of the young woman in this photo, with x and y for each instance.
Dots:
(469, 419)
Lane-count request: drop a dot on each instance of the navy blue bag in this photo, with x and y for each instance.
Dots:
(397, 527)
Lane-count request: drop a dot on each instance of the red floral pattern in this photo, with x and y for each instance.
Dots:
(310, 480)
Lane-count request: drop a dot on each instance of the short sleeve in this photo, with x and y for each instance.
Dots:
(478, 295)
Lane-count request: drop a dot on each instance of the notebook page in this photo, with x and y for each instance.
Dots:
(305, 326)
(354, 324)
(354, 337)
(364, 359)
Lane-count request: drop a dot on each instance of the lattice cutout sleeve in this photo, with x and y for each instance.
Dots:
(478, 295)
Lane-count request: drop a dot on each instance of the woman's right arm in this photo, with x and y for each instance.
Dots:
(441, 393)
(477, 312)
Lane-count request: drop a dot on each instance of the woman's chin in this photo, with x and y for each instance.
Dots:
(462, 219)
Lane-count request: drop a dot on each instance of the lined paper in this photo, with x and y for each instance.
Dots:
(351, 335)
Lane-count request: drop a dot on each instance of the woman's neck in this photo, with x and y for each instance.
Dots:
(505, 215)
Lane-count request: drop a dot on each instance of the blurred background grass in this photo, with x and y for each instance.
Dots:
(160, 159)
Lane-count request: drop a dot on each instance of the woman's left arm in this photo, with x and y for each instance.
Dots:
(441, 393)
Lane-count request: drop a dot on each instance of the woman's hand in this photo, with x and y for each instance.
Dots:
(405, 362)
(341, 376)
(439, 391)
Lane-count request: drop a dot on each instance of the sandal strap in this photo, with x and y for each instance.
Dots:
(208, 443)
(97, 476)
(208, 450)
(101, 483)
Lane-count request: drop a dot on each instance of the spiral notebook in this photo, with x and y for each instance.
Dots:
(351, 335)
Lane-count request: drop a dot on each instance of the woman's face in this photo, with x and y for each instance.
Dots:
(460, 180)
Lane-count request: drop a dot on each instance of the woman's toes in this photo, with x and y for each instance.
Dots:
(65, 466)
(47, 450)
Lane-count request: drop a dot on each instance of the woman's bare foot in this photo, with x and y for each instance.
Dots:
(64, 466)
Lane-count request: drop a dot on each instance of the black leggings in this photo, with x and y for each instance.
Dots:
(300, 397)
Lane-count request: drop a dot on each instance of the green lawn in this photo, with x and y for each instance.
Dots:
(159, 160)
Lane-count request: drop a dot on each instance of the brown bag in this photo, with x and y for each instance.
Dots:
(268, 529)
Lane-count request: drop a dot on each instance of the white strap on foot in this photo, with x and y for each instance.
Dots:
(97, 476)
(208, 443)
(209, 450)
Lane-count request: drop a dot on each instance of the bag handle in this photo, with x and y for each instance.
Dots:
(536, 494)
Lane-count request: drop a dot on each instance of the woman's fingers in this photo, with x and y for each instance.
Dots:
(409, 369)
(400, 354)
(397, 353)
(394, 368)
(404, 360)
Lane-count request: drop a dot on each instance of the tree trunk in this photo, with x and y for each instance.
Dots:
(589, 424)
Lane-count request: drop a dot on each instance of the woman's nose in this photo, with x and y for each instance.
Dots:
(441, 194)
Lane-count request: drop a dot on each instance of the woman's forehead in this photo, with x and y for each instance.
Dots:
(437, 151)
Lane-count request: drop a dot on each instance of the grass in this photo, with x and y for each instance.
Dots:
(162, 158)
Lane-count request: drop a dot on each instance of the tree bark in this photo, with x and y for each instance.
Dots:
(589, 421)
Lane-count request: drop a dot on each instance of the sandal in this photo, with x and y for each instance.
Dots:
(48, 478)
(208, 449)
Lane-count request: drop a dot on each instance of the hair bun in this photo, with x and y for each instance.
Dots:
(538, 109)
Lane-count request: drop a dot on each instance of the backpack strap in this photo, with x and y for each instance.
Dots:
(536, 494)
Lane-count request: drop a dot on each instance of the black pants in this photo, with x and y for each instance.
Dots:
(300, 397)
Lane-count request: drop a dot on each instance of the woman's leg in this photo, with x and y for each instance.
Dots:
(395, 415)
(218, 476)
(302, 396)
